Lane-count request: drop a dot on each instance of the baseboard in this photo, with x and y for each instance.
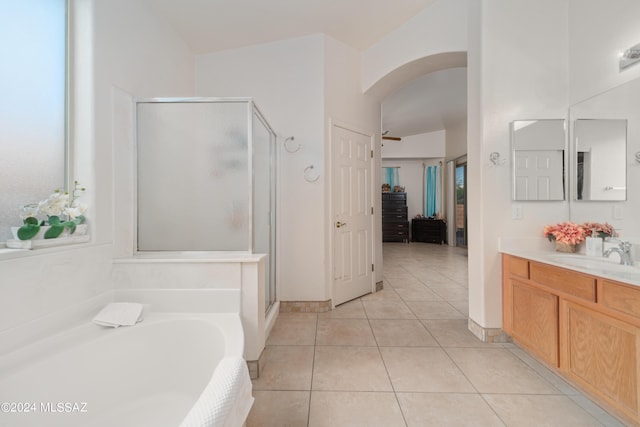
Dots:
(490, 335)
(305, 306)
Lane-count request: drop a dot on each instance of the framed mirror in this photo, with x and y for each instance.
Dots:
(538, 149)
(600, 158)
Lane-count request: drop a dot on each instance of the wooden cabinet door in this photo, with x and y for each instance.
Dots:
(600, 353)
(534, 321)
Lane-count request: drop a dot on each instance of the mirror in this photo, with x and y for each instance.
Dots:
(538, 150)
(600, 159)
(614, 122)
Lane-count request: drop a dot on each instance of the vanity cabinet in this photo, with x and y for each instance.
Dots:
(585, 327)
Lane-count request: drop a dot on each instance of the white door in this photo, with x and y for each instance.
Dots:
(352, 214)
(538, 175)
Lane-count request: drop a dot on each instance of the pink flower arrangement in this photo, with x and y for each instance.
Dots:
(601, 230)
(565, 232)
(574, 234)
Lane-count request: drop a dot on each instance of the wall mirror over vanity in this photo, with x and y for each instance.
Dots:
(585, 158)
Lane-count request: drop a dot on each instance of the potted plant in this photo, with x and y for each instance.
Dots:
(566, 235)
(59, 215)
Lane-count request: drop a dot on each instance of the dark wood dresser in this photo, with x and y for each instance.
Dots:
(395, 224)
(428, 230)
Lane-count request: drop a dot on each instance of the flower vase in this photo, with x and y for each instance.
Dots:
(565, 247)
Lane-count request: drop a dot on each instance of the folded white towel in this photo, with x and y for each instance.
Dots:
(119, 314)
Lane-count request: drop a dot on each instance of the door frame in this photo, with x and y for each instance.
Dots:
(330, 208)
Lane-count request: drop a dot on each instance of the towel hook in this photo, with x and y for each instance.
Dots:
(309, 176)
(289, 148)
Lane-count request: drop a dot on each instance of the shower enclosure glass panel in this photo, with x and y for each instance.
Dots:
(264, 199)
(206, 178)
(193, 176)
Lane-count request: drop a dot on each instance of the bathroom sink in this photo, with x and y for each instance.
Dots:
(606, 266)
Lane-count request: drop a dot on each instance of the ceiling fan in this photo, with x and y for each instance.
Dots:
(390, 138)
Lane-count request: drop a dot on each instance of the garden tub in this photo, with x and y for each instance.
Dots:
(172, 369)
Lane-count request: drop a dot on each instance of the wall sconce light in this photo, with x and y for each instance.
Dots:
(630, 57)
(495, 160)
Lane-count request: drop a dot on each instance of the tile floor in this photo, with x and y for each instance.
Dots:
(404, 357)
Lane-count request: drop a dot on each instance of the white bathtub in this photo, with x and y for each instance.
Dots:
(150, 374)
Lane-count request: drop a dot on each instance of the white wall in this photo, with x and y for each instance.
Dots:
(115, 43)
(517, 69)
(439, 28)
(424, 145)
(456, 140)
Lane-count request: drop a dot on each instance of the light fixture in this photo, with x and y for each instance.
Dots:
(495, 160)
(630, 56)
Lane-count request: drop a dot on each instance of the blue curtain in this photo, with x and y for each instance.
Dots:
(391, 177)
(431, 189)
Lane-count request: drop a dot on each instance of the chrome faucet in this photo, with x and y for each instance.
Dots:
(624, 250)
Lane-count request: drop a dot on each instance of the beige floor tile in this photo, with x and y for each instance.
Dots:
(454, 333)
(462, 306)
(286, 368)
(354, 332)
(293, 329)
(451, 292)
(418, 293)
(406, 283)
(279, 409)
(401, 333)
(348, 310)
(351, 409)
(544, 372)
(447, 410)
(386, 294)
(497, 370)
(349, 369)
(538, 410)
(387, 310)
(434, 310)
(423, 369)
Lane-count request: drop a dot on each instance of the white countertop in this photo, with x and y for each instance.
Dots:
(608, 268)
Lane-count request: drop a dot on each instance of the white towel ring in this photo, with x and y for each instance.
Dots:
(290, 146)
(309, 175)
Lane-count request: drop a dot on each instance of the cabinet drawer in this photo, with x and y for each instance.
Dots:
(394, 217)
(394, 196)
(394, 209)
(567, 281)
(396, 226)
(623, 298)
(516, 266)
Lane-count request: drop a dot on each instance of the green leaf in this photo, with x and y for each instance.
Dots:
(70, 225)
(27, 231)
(79, 219)
(54, 231)
(54, 220)
(31, 220)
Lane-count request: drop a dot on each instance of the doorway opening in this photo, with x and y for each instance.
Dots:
(461, 204)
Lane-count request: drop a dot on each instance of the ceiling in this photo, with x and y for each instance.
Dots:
(426, 104)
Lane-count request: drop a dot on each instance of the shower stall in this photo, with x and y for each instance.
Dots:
(206, 179)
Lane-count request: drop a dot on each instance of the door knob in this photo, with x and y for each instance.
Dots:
(340, 224)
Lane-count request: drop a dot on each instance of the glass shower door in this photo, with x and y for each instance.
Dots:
(264, 199)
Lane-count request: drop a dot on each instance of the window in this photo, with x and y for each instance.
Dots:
(32, 104)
